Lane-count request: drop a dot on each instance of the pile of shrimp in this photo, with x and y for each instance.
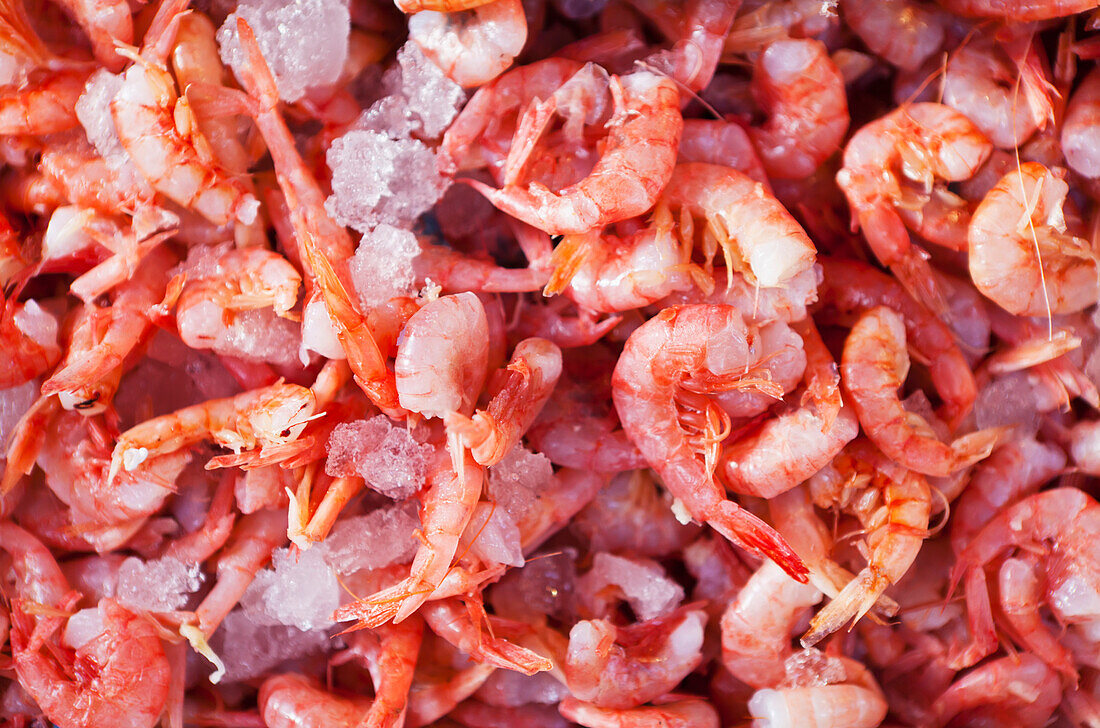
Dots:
(746, 370)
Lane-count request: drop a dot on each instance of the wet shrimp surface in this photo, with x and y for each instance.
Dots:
(499, 363)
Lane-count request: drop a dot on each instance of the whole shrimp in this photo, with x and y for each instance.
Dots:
(158, 131)
(1018, 10)
(29, 336)
(624, 667)
(758, 237)
(45, 105)
(874, 366)
(1021, 595)
(294, 701)
(118, 677)
(461, 626)
(260, 418)
(901, 32)
(390, 654)
(891, 169)
(1022, 254)
(473, 45)
(689, 348)
(894, 505)
(757, 625)
(635, 165)
(1018, 690)
(672, 711)
(521, 391)
(697, 30)
(801, 90)
(850, 697)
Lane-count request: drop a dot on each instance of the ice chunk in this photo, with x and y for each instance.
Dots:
(433, 99)
(14, 403)
(250, 649)
(302, 60)
(642, 583)
(516, 481)
(299, 591)
(546, 585)
(382, 267)
(85, 625)
(93, 110)
(37, 323)
(812, 668)
(492, 536)
(387, 457)
(378, 539)
(318, 334)
(1006, 401)
(161, 585)
(378, 180)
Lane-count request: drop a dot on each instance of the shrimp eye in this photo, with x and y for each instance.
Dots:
(285, 433)
(555, 239)
(88, 403)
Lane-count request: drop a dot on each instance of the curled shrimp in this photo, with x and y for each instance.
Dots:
(158, 131)
(850, 697)
(623, 667)
(635, 166)
(261, 418)
(522, 389)
(1023, 10)
(461, 626)
(801, 90)
(1020, 595)
(1022, 256)
(1018, 690)
(45, 105)
(904, 33)
(693, 347)
(894, 505)
(697, 30)
(874, 366)
(757, 235)
(669, 712)
(294, 701)
(475, 45)
(29, 338)
(891, 169)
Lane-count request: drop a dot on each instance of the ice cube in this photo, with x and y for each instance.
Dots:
(382, 267)
(492, 536)
(398, 467)
(161, 585)
(250, 649)
(14, 403)
(380, 538)
(300, 590)
(350, 441)
(516, 481)
(1006, 401)
(433, 99)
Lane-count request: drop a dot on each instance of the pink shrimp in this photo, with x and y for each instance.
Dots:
(635, 166)
(457, 272)
(294, 701)
(697, 30)
(689, 346)
(623, 667)
(757, 625)
(918, 146)
(390, 654)
(107, 24)
(29, 336)
(1018, 10)
(521, 391)
(1021, 597)
(1018, 690)
(157, 130)
(874, 366)
(757, 235)
(791, 447)
(45, 105)
(850, 697)
(461, 626)
(1022, 255)
(673, 711)
(1079, 127)
(854, 288)
(117, 677)
(893, 505)
(472, 45)
(800, 88)
(901, 32)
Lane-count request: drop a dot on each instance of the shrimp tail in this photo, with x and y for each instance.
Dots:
(852, 603)
(753, 534)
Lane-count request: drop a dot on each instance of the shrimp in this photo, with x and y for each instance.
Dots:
(624, 667)
(891, 170)
(45, 105)
(790, 448)
(260, 418)
(1020, 595)
(673, 711)
(636, 164)
(874, 366)
(107, 24)
(982, 82)
(159, 133)
(102, 338)
(1079, 127)
(758, 237)
(801, 90)
(1022, 256)
(757, 625)
(853, 288)
(390, 654)
(521, 391)
(442, 363)
(28, 335)
(461, 626)
(901, 32)
(293, 701)
(687, 347)
(118, 677)
(475, 45)
(1018, 10)
(457, 272)
(850, 697)
(894, 505)
(697, 30)
(1018, 690)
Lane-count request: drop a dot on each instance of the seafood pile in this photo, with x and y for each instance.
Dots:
(613, 363)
